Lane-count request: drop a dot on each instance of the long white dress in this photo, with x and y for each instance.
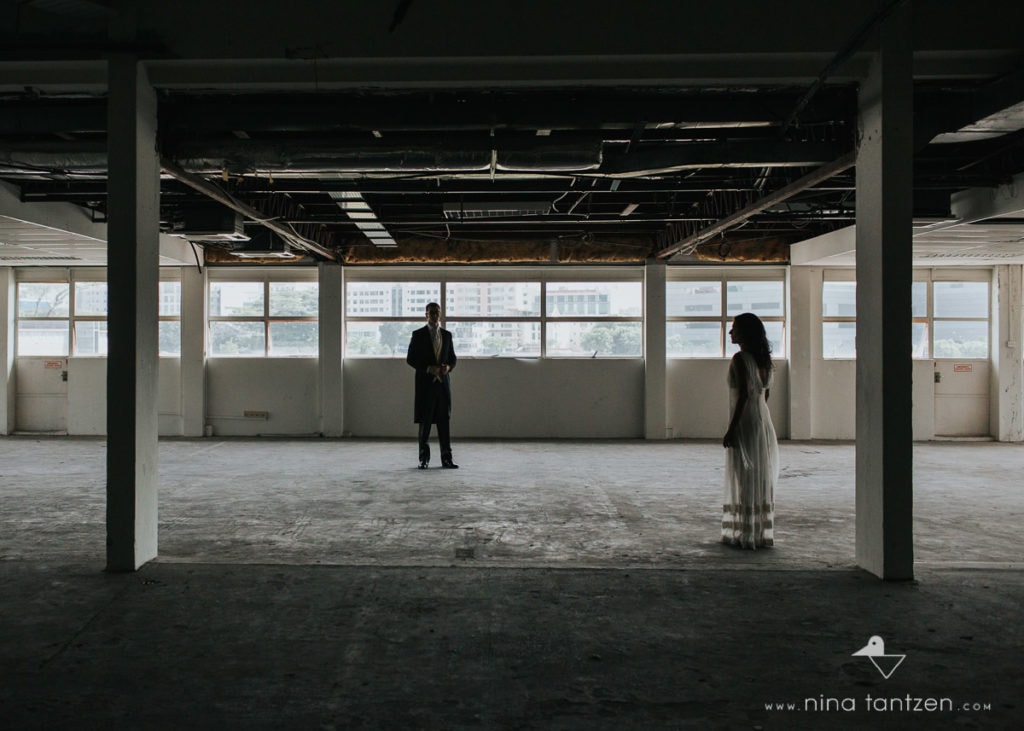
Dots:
(752, 465)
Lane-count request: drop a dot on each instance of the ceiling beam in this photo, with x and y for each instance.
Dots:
(823, 173)
(212, 191)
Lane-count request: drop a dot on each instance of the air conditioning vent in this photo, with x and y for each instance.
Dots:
(495, 209)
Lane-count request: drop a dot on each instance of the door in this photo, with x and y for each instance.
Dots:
(41, 403)
(962, 398)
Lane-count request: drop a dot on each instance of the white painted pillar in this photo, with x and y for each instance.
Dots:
(884, 493)
(193, 351)
(8, 304)
(1008, 331)
(655, 384)
(332, 328)
(133, 282)
(804, 317)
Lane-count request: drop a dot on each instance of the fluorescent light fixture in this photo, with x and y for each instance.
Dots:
(543, 133)
(376, 133)
(348, 206)
(629, 209)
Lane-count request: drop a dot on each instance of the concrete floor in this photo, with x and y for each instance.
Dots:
(545, 585)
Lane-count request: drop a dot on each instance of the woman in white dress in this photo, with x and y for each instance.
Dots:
(752, 462)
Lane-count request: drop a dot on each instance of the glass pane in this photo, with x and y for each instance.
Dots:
(90, 337)
(774, 332)
(390, 299)
(493, 299)
(42, 337)
(299, 299)
(839, 299)
(919, 299)
(963, 339)
(703, 299)
(294, 338)
(694, 339)
(236, 299)
(919, 337)
(43, 299)
(90, 298)
(170, 337)
(511, 339)
(839, 340)
(594, 299)
(237, 339)
(961, 299)
(594, 339)
(170, 298)
(765, 299)
(380, 339)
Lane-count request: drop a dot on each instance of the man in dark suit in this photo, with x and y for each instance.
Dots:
(432, 355)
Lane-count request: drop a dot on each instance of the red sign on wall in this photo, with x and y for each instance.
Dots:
(963, 367)
(55, 364)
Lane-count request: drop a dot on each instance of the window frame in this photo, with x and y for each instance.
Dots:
(929, 276)
(723, 277)
(72, 277)
(496, 275)
(264, 278)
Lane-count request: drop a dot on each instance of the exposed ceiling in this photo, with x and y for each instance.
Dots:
(568, 173)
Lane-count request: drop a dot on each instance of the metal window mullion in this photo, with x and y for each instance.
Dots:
(544, 319)
(266, 315)
(724, 317)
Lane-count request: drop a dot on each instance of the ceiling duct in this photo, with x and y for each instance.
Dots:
(264, 244)
(210, 225)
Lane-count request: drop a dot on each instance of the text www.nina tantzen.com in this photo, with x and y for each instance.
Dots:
(906, 704)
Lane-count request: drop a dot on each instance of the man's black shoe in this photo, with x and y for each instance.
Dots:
(449, 465)
(423, 465)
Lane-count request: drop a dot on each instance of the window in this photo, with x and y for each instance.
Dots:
(499, 318)
(699, 313)
(594, 319)
(60, 318)
(957, 327)
(839, 319)
(494, 318)
(170, 318)
(261, 317)
(380, 316)
(90, 318)
(43, 312)
(960, 320)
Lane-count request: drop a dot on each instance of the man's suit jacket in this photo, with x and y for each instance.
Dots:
(428, 390)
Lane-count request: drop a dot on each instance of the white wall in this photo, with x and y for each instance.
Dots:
(87, 396)
(504, 398)
(494, 398)
(698, 398)
(285, 388)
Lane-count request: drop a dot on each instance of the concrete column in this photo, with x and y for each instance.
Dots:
(804, 287)
(133, 282)
(1008, 330)
(193, 351)
(655, 385)
(332, 328)
(884, 500)
(8, 304)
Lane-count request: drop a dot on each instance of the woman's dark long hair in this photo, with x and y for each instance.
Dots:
(754, 339)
